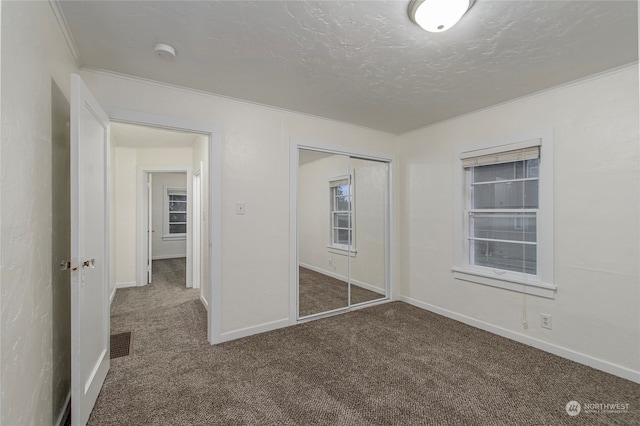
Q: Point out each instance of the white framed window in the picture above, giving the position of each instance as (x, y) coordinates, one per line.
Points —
(505, 230)
(341, 229)
(175, 213)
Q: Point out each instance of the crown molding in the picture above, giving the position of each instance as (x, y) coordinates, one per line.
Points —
(66, 31)
(186, 89)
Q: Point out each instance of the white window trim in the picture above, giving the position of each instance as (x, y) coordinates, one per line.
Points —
(343, 249)
(541, 285)
(166, 236)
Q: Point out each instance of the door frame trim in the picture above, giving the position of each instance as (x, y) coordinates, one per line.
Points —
(196, 239)
(142, 219)
(214, 216)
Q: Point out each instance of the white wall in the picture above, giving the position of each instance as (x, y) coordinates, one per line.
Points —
(165, 157)
(367, 267)
(255, 149)
(596, 310)
(128, 166)
(163, 248)
(125, 197)
(34, 324)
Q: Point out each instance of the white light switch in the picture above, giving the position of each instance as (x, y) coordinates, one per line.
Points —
(239, 208)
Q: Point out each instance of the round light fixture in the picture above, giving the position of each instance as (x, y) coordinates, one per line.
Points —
(438, 15)
(165, 51)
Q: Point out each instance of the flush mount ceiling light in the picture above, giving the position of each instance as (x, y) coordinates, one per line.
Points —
(438, 15)
(165, 51)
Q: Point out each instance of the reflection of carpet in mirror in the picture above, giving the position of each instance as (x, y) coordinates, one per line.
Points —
(321, 293)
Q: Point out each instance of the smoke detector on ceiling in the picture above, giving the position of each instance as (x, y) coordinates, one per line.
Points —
(165, 51)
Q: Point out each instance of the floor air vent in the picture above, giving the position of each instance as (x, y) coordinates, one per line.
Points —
(121, 344)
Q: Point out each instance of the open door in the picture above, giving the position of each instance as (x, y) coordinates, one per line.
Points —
(89, 251)
(149, 227)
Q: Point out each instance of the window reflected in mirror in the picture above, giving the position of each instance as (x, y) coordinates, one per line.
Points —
(342, 231)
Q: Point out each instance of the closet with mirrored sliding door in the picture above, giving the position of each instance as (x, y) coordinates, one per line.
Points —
(342, 231)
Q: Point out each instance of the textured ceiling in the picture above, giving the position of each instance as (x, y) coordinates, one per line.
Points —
(361, 62)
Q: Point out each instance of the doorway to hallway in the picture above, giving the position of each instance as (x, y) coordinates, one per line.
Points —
(207, 161)
(154, 208)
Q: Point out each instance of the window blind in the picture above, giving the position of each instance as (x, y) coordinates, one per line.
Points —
(338, 182)
(520, 151)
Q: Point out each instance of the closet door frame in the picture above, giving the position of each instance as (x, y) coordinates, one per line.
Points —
(296, 144)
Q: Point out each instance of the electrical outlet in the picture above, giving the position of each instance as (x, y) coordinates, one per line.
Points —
(545, 321)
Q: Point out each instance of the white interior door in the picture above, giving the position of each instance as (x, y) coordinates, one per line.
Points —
(89, 251)
(149, 227)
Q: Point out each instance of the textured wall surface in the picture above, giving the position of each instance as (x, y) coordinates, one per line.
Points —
(36, 64)
(595, 127)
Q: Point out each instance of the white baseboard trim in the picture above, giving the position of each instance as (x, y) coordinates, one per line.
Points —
(250, 331)
(204, 302)
(343, 278)
(168, 256)
(598, 364)
(66, 408)
(126, 284)
(368, 286)
(112, 295)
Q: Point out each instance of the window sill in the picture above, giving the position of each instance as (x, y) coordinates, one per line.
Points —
(175, 237)
(341, 251)
(521, 286)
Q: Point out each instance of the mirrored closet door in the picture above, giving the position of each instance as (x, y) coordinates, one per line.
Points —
(342, 231)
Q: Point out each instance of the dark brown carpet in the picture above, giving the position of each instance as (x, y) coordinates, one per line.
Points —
(120, 345)
(391, 364)
(321, 293)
